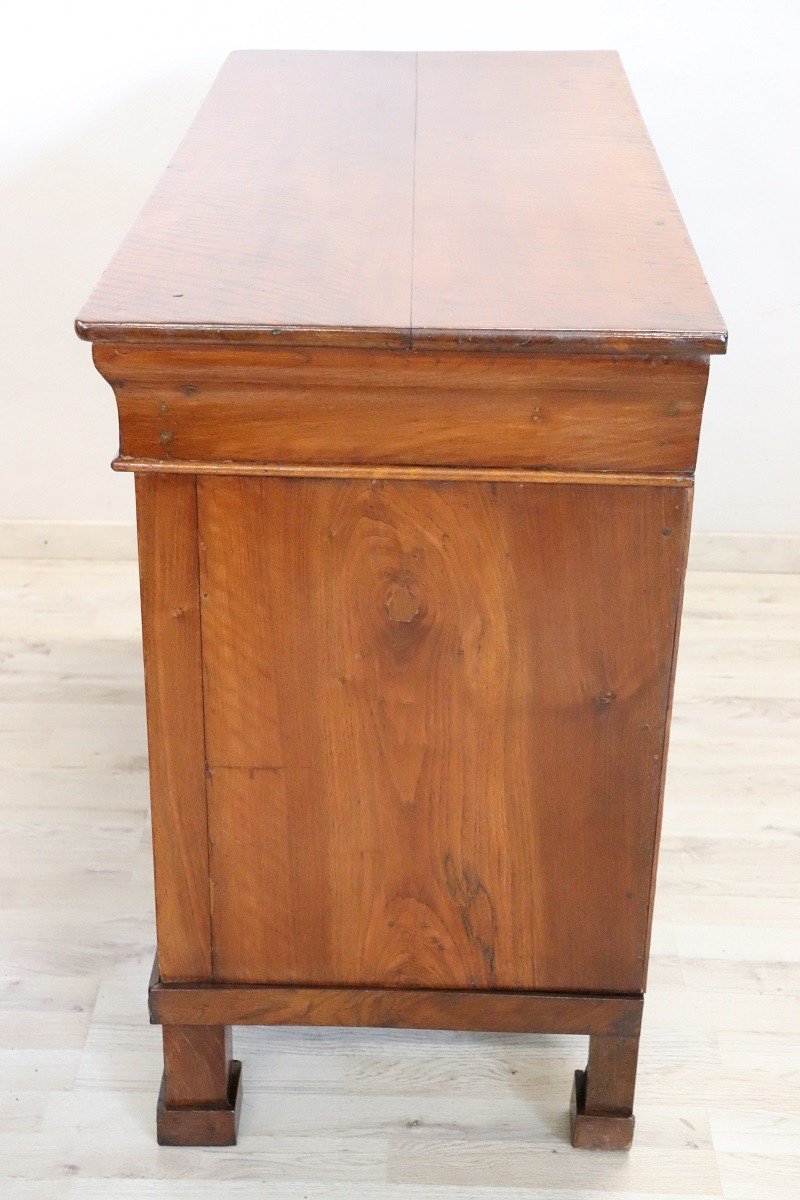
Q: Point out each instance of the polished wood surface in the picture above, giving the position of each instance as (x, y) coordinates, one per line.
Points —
(601, 1112)
(166, 512)
(431, 709)
(196, 1064)
(285, 214)
(152, 466)
(395, 1008)
(610, 1076)
(511, 201)
(379, 408)
(561, 227)
(201, 1090)
(392, 1114)
(410, 354)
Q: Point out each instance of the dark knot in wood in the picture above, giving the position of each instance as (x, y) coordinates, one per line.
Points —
(401, 604)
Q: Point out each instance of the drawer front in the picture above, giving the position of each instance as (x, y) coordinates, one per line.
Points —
(380, 408)
(435, 720)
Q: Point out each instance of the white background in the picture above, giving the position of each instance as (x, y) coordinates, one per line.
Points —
(96, 95)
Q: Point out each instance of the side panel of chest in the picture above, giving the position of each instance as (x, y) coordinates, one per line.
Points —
(435, 722)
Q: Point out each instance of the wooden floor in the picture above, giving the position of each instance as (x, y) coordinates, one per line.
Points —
(390, 1114)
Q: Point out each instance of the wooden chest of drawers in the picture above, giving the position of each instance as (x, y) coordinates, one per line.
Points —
(410, 354)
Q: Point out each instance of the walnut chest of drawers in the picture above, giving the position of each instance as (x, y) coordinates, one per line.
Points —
(410, 354)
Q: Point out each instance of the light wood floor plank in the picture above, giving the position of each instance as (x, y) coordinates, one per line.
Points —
(392, 1115)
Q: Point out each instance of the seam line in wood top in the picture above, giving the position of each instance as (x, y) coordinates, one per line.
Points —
(381, 472)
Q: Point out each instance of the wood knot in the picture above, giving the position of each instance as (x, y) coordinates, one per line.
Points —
(401, 604)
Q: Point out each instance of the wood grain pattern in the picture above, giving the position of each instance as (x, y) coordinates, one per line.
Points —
(166, 510)
(388, 408)
(287, 208)
(434, 723)
(150, 466)
(682, 562)
(611, 1075)
(541, 218)
(396, 1008)
(201, 1093)
(197, 1063)
(601, 1112)
(562, 221)
(408, 718)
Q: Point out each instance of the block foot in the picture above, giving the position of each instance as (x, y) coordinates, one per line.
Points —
(596, 1131)
(202, 1124)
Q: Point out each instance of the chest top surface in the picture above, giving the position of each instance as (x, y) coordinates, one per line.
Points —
(503, 200)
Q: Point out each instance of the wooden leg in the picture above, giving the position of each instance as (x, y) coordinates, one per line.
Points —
(601, 1113)
(201, 1089)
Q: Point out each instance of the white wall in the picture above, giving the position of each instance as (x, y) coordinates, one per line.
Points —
(94, 97)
